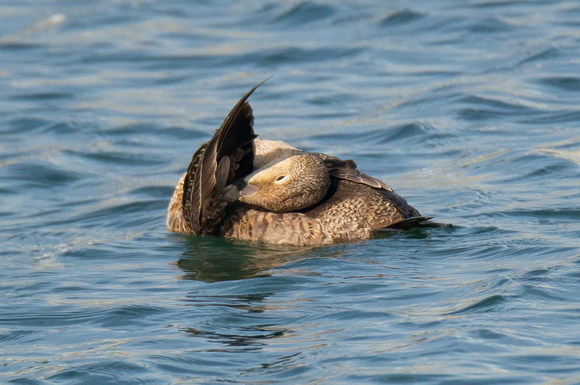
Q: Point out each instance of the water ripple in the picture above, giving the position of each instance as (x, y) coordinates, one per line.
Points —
(468, 109)
(304, 13)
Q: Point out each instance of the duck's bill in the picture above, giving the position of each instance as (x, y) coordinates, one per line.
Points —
(250, 189)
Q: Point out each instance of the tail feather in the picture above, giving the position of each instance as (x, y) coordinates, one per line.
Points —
(413, 222)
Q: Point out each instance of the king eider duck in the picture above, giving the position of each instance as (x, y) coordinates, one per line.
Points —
(238, 186)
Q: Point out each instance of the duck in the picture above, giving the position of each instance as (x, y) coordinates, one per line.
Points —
(242, 187)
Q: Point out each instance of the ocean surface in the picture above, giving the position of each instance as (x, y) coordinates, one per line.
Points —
(469, 109)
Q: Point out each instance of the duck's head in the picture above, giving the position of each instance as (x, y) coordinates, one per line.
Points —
(290, 184)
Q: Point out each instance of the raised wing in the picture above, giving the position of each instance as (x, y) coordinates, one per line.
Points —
(216, 167)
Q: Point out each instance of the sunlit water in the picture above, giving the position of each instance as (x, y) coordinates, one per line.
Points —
(469, 109)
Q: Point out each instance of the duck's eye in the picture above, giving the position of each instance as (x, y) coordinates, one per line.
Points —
(279, 178)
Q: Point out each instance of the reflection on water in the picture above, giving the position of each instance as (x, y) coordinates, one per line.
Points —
(213, 259)
(258, 338)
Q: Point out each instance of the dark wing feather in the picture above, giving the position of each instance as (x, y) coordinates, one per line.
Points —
(346, 169)
(208, 183)
(357, 176)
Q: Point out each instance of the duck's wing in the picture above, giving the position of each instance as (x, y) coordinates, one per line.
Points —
(346, 169)
(216, 166)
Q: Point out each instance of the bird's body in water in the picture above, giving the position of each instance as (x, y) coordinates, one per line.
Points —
(238, 186)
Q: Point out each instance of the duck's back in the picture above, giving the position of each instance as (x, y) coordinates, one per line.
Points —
(355, 211)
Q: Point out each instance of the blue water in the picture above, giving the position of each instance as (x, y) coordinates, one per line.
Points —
(469, 109)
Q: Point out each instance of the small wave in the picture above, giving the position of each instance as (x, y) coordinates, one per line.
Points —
(553, 214)
(125, 215)
(117, 158)
(44, 96)
(562, 116)
(19, 45)
(488, 27)
(564, 83)
(305, 13)
(289, 55)
(56, 317)
(16, 334)
(411, 132)
(547, 54)
(42, 175)
(105, 372)
(401, 17)
(486, 304)
(573, 156)
(485, 108)
(22, 125)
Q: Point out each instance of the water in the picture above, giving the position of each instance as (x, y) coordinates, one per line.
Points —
(469, 109)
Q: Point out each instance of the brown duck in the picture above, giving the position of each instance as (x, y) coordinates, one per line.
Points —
(241, 187)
